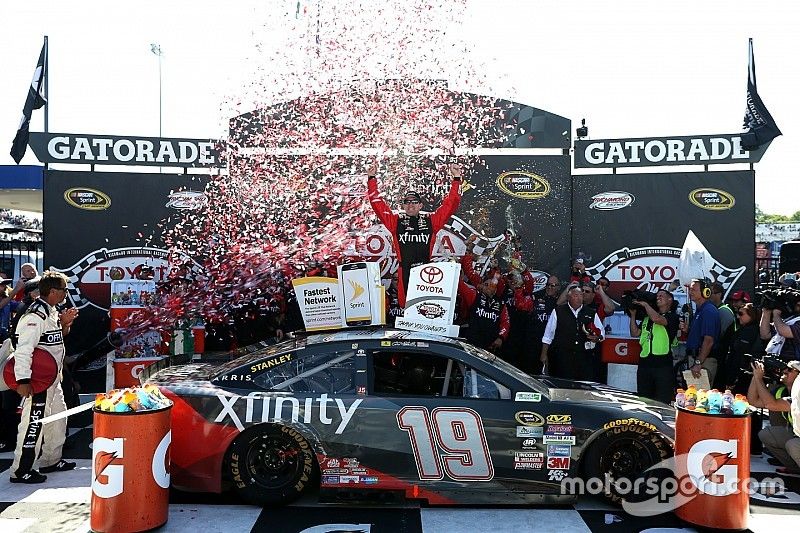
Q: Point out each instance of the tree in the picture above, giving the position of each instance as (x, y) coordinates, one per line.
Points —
(766, 218)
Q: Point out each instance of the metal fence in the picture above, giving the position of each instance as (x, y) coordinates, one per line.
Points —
(14, 253)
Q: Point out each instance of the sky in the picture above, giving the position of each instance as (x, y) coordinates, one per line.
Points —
(630, 68)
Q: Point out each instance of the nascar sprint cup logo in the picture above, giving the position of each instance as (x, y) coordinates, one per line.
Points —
(652, 268)
(712, 199)
(525, 185)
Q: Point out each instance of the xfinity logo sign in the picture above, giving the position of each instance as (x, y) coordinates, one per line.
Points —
(115, 150)
(658, 151)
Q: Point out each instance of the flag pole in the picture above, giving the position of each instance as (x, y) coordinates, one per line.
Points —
(46, 84)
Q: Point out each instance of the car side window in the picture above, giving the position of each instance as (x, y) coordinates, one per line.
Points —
(477, 385)
(329, 372)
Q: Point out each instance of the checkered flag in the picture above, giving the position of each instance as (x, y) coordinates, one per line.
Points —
(611, 259)
(726, 276)
(485, 247)
(523, 124)
(73, 277)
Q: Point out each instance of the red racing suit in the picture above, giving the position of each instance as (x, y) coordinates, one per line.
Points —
(413, 238)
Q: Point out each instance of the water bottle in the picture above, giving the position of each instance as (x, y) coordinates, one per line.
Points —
(680, 399)
(714, 402)
(727, 402)
(691, 397)
(702, 400)
(739, 405)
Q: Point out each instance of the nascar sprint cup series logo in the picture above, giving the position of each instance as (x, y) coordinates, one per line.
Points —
(90, 277)
(651, 268)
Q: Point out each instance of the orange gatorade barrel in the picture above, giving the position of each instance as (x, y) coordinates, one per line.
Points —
(712, 455)
(130, 470)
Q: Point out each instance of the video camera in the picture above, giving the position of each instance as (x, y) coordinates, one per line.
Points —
(773, 366)
(628, 297)
(784, 299)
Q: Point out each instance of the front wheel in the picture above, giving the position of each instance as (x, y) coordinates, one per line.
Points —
(271, 465)
(621, 456)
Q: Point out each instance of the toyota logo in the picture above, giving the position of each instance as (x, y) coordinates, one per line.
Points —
(431, 275)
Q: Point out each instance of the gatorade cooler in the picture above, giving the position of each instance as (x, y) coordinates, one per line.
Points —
(127, 370)
(130, 470)
(713, 465)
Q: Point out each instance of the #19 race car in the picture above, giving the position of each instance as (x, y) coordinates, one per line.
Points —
(424, 417)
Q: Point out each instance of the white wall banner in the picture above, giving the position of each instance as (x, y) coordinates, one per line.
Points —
(320, 302)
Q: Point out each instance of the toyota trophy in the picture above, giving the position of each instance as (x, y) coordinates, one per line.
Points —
(431, 299)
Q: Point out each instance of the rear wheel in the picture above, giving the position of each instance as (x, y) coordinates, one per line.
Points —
(622, 455)
(271, 465)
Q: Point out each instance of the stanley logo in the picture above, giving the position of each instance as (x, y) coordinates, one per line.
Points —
(89, 199)
(712, 199)
(525, 185)
(358, 290)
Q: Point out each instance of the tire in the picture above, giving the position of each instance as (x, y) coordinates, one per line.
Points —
(271, 465)
(624, 453)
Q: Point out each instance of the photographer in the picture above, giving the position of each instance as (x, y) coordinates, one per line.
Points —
(788, 330)
(654, 377)
(782, 441)
(745, 340)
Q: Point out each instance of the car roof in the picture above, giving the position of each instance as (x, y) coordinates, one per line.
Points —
(376, 333)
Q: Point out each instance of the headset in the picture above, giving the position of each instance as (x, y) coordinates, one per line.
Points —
(705, 290)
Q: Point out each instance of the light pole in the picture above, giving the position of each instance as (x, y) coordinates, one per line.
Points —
(156, 49)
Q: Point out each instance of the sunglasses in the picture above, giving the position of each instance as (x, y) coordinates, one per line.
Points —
(552, 284)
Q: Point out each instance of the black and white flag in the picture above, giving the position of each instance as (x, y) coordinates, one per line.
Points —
(35, 100)
(759, 125)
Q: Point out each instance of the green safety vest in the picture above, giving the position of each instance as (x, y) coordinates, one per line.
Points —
(786, 414)
(654, 339)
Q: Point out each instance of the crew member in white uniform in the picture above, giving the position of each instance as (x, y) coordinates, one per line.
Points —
(41, 327)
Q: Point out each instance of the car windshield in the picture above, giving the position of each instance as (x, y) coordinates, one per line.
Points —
(506, 367)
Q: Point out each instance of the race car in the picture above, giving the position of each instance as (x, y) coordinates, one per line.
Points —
(406, 413)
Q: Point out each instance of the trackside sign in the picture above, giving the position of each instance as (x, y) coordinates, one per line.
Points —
(662, 151)
(92, 149)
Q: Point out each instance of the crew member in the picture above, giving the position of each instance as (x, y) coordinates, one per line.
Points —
(703, 334)
(488, 323)
(41, 327)
(413, 232)
(654, 376)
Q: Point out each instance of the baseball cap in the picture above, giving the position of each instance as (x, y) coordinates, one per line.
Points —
(412, 196)
(794, 365)
(741, 295)
(4, 281)
(31, 286)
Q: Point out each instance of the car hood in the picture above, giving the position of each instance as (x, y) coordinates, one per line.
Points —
(611, 398)
(179, 375)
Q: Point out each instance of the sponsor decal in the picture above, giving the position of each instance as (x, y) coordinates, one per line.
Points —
(559, 439)
(528, 460)
(629, 422)
(91, 276)
(712, 199)
(528, 431)
(560, 429)
(88, 199)
(524, 185)
(369, 480)
(559, 419)
(556, 475)
(651, 268)
(269, 363)
(256, 408)
(431, 275)
(558, 450)
(430, 310)
(360, 471)
(235, 377)
(386, 343)
(351, 462)
(354, 346)
(529, 418)
(528, 443)
(335, 471)
(527, 397)
(187, 200)
(330, 480)
(612, 200)
(345, 480)
(558, 463)
(333, 463)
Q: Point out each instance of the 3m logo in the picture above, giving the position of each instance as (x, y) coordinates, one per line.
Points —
(558, 463)
(559, 419)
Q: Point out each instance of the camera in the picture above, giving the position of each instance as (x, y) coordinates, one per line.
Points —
(773, 366)
(628, 297)
(785, 300)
